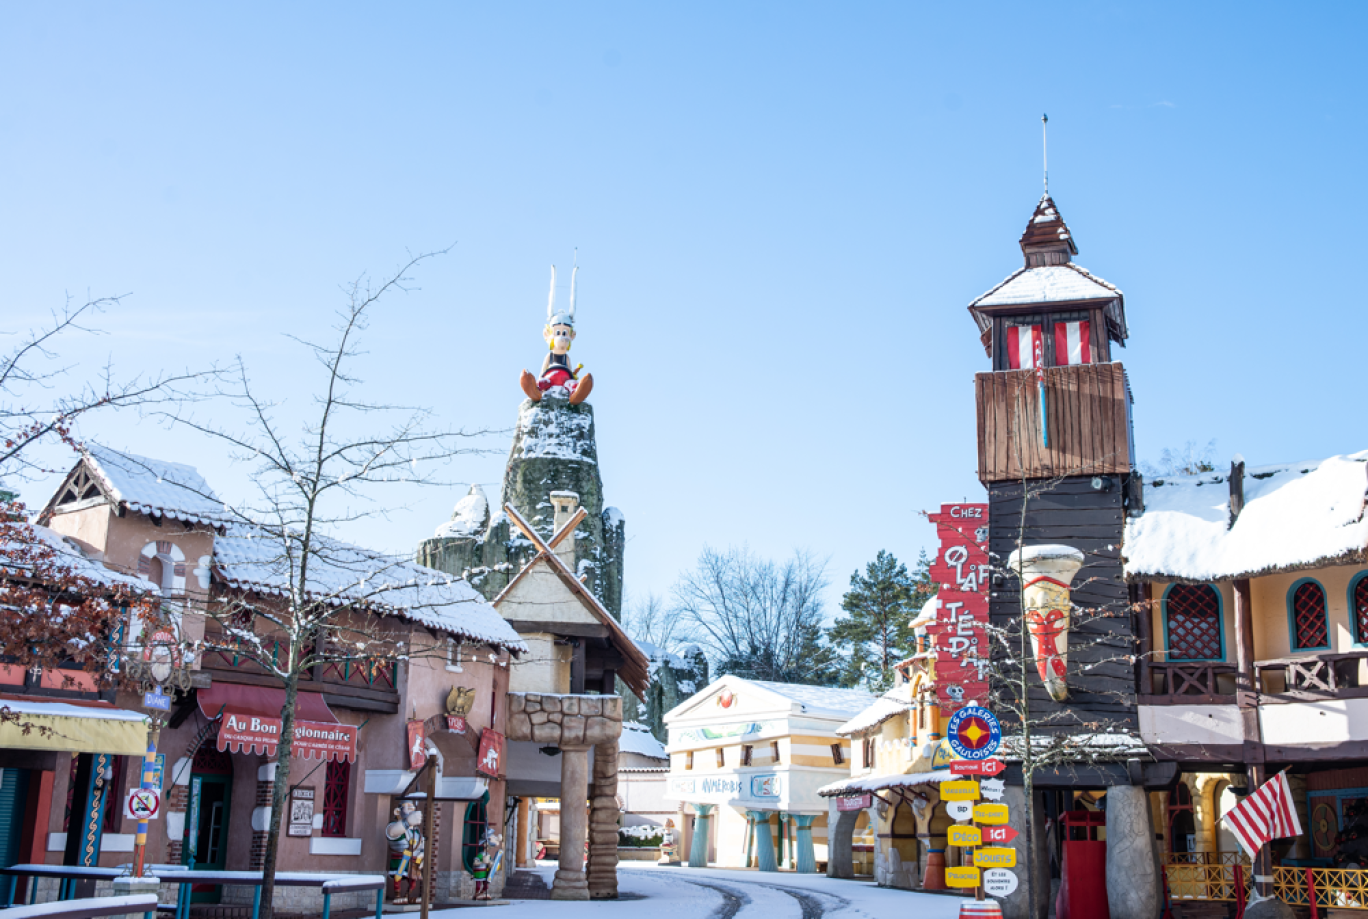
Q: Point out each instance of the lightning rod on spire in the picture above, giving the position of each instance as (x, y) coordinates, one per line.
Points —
(1045, 148)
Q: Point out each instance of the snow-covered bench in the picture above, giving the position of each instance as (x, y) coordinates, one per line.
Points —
(92, 908)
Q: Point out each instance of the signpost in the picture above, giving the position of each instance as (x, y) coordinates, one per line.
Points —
(959, 810)
(995, 857)
(992, 814)
(985, 767)
(962, 877)
(999, 834)
(142, 804)
(999, 882)
(965, 790)
(974, 733)
(964, 836)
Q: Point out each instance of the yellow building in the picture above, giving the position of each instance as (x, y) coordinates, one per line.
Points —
(747, 758)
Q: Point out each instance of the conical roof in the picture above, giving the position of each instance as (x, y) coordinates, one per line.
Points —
(1047, 230)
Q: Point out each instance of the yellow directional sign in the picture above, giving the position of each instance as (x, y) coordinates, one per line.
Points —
(991, 814)
(995, 857)
(965, 836)
(961, 877)
(964, 790)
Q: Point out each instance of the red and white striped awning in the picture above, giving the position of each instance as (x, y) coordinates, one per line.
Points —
(252, 722)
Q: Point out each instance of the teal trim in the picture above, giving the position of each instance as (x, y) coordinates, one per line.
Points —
(1220, 625)
(1359, 640)
(1292, 617)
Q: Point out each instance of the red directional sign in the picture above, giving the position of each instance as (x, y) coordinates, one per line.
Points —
(977, 766)
(1002, 834)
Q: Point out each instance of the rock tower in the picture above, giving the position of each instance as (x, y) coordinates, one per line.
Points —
(553, 451)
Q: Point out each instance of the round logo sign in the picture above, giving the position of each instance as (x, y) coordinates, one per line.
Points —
(974, 733)
(959, 810)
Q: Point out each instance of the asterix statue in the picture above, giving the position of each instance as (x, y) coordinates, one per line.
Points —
(556, 371)
(406, 847)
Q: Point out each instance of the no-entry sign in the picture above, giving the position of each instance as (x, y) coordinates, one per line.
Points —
(143, 803)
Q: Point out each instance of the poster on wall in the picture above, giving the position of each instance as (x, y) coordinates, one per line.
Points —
(301, 812)
(962, 572)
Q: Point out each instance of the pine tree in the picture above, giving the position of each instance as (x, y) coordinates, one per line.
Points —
(880, 605)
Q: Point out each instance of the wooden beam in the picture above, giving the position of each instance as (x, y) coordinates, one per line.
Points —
(570, 629)
(568, 528)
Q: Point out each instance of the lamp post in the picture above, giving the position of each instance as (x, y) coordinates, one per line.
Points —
(164, 668)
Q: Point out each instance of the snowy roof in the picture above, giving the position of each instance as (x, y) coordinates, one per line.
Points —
(1047, 284)
(469, 517)
(880, 782)
(251, 559)
(20, 542)
(155, 487)
(830, 698)
(891, 704)
(637, 738)
(1295, 516)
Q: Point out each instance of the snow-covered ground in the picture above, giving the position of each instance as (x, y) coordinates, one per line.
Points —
(713, 893)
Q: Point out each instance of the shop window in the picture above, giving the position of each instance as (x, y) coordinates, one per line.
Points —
(1192, 623)
(1306, 612)
(836, 756)
(454, 649)
(774, 751)
(1358, 605)
(867, 749)
(747, 753)
(476, 828)
(336, 793)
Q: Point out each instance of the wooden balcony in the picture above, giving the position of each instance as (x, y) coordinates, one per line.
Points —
(1188, 683)
(1311, 678)
(1087, 410)
(354, 684)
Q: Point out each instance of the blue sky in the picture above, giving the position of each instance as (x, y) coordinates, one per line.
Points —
(781, 212)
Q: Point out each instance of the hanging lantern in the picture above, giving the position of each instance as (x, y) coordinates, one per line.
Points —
(1045, 573)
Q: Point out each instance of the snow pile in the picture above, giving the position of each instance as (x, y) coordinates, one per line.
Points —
(155, 487)
(838, 701)
(880, 782)
(927, 616)
(637, 738)
(1048, 284)
(891, 704)
(468, 518)
(548, 431)
(1295, 515)
(253, 559)
(22, 541)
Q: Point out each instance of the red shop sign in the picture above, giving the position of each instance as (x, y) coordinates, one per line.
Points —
(856, 803)
(246, 733)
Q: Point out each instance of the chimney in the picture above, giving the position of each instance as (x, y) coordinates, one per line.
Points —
(565, 504)
(1237, 468)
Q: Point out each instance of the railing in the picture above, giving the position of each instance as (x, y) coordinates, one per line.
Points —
(1191, 681)
(1208, 876)
(1316, 675)
(1337, 888)
(382, 676)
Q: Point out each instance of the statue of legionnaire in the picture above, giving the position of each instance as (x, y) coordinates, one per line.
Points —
(406, 845)
(486, 862)
(556, 371)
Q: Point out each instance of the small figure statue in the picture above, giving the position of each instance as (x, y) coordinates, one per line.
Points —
(558, 334)
(486, 863)
(406, 845)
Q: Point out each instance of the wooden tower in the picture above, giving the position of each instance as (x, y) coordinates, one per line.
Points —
(1054, 435)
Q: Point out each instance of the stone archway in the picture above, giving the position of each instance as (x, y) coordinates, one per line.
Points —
(841, 838)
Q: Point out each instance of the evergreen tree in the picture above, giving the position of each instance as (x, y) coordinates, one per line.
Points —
(880, 606)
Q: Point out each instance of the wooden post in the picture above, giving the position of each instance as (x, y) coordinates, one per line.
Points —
(429, 844)
(1247, 699)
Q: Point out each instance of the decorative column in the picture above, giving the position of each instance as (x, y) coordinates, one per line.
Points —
(698, 852)
(1133, 890)
(570, 883)
(764, 842)
(603, 823)
(783, 831)
(521, 833)
(806, 855)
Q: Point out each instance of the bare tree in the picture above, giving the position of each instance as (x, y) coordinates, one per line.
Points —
(757, 618)
(650, 619)
(1189, 459)
(297, 598)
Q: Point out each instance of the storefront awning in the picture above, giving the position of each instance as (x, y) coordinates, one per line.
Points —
(73, 726)
(252, 722)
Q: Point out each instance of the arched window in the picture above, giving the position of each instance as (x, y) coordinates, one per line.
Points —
(1192, 623)
(1358, 606)
(1306, 611)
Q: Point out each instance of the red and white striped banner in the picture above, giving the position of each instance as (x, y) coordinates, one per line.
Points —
(1266, 814)
(1024, 346)
(1071, 343)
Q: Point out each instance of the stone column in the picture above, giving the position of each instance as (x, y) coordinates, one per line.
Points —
(521, 833)
(764, 843)
(840, 857)
(1017, 905)
(1132, 882)
(806, 860)
(603, 823)
(698, 852)
(570, 883)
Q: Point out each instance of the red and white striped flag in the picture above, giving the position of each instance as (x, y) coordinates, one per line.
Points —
(1266, 814)
(1025, 347)
(1071, 343)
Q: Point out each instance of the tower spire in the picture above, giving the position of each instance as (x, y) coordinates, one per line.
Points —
(1045, 148)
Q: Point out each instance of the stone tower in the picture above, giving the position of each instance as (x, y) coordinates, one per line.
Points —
(554, 450)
